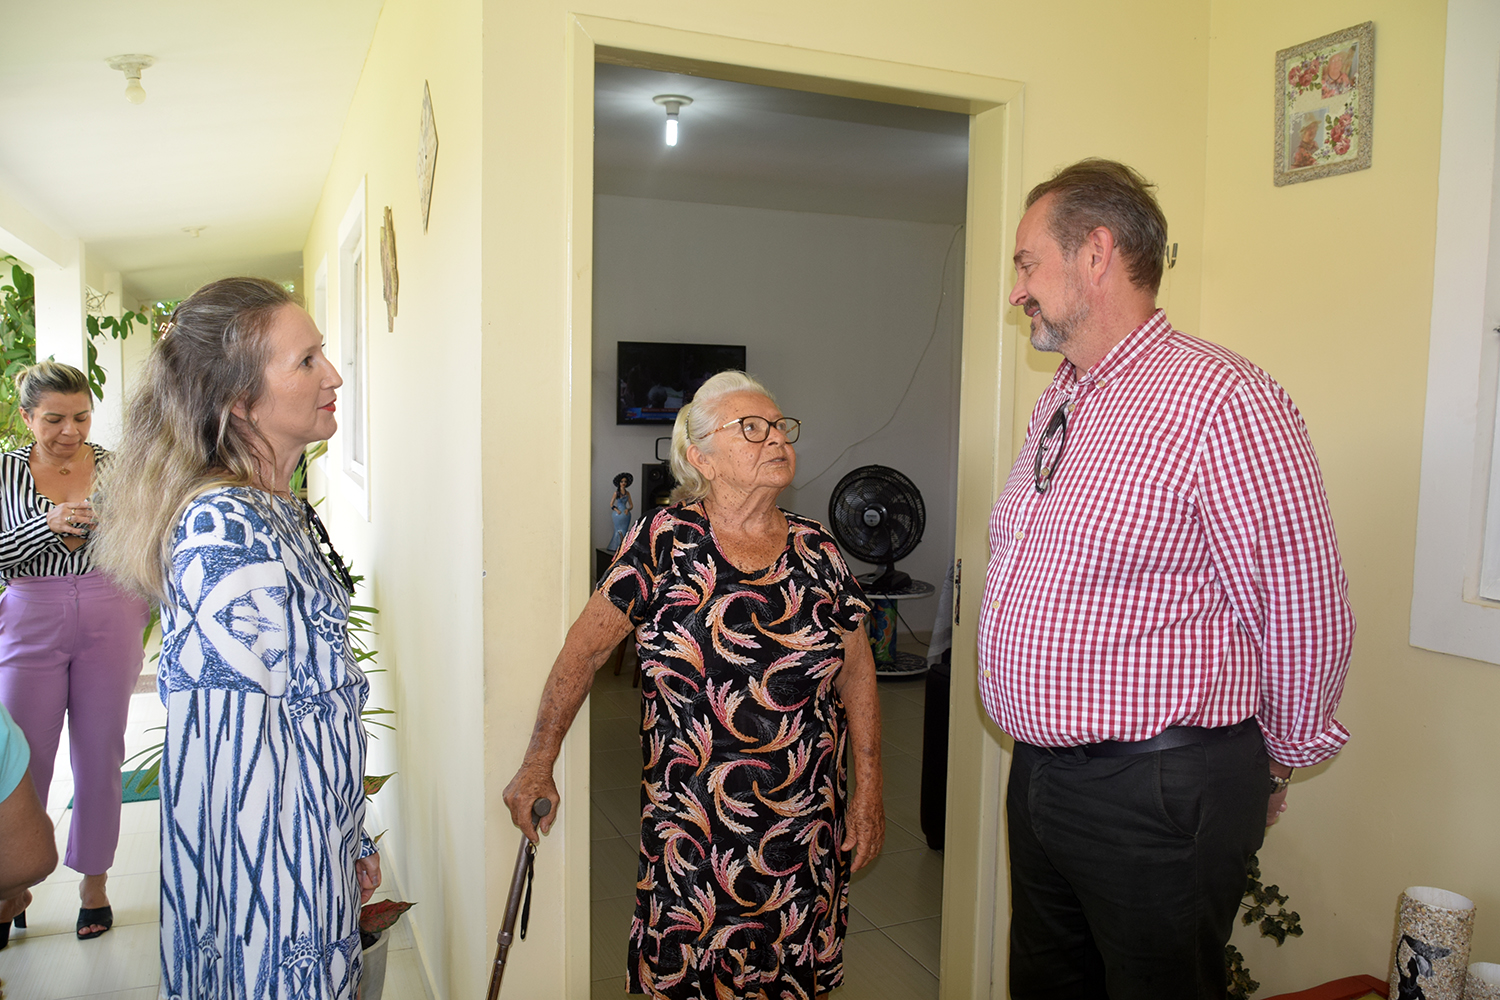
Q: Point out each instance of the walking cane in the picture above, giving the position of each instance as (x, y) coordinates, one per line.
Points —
(522, 877)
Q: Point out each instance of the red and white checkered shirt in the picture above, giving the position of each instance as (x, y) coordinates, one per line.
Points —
(1180, 569)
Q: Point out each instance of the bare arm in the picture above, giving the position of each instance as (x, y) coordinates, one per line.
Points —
(865, 821)
(590, 641)
(30, 853)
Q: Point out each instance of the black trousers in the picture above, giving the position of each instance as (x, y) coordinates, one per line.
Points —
(1127, 872)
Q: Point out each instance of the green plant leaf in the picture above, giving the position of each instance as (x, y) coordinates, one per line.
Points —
(375, 782)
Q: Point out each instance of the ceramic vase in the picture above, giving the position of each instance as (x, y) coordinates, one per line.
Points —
(1433, 928)
(1484, 982)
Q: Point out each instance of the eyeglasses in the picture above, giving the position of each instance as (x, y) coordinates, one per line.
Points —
(757, 429)
(326, 550)
(1046, 467)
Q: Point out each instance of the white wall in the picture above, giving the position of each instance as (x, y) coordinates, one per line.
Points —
(834, 312)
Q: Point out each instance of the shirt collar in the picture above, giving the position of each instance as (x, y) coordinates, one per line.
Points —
(1136, 345)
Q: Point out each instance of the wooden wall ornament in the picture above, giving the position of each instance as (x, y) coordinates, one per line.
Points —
(427, 147)
(390, 280)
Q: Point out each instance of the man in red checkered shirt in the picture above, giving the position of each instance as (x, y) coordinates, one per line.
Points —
(1166, 626)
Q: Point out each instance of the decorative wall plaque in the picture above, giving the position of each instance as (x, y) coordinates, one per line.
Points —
(390, 280)
(427, 147)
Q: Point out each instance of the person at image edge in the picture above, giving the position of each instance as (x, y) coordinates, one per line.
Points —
(1166, 626)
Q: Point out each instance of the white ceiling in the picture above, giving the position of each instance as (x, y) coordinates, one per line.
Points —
(245, 105)
(244, 109)
(764, 147)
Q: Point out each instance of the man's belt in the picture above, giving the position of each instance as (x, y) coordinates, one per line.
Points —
(1168, 739)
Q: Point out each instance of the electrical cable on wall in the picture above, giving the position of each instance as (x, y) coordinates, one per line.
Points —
(936, 317)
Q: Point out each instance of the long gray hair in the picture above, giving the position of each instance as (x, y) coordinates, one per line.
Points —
(699, 419)
(181, 435)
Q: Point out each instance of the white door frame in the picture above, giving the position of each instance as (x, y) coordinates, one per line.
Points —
(975, 907)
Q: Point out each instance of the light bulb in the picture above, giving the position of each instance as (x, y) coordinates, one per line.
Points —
(671, 131)
(134, 92)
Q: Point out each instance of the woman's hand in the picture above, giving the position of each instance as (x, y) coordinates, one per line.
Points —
(368, 871)
(72, 518)
(532, 782)
(864, 824)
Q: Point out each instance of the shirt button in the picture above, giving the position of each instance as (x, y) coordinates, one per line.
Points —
(1020, 534)
(995, 604)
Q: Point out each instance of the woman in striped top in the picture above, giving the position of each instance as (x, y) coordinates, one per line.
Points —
(70, 640)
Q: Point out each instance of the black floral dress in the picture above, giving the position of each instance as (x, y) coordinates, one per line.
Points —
(742, 891)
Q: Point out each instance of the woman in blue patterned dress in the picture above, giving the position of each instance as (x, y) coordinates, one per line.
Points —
(756, 679)
(264, 859)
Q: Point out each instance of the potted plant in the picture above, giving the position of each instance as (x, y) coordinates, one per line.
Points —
(1278, 924)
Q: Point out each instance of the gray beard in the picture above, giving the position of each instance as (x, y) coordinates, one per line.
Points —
(1052, 334)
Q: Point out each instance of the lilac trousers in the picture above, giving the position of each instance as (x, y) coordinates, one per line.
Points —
(72, 644)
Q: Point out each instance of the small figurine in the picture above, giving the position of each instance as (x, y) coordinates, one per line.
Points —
(620, 508)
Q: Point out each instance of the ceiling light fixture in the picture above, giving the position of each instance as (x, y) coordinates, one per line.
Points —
(131, 66)
(672, 102)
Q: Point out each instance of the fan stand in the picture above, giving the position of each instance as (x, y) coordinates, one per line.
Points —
(890, 579)
(881, 625)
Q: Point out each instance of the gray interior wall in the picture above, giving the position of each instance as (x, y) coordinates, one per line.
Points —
(835, 313)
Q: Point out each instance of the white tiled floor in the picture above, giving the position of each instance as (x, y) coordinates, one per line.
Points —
(895, 922)
(47, 962)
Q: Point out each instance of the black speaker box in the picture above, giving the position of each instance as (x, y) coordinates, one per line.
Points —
(657, 484)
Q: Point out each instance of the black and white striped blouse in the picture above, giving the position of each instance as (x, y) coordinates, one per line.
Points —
(27, 546)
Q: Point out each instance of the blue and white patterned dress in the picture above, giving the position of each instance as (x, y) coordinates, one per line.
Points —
(262, 780)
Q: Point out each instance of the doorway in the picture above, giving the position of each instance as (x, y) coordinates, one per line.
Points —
(968, 962)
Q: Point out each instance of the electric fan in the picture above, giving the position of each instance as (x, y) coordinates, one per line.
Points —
(877, 514)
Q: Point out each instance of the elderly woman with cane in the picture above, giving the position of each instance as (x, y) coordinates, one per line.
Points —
(756, 680)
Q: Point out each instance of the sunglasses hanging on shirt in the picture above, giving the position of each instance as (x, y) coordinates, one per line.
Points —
(1049, 450)
(327, 551)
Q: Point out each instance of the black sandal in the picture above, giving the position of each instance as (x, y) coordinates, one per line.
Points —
(20, 921)
(100, 916)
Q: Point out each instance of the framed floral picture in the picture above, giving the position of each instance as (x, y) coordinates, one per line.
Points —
(1325, 105)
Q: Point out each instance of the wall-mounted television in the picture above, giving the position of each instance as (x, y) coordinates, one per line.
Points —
(656, 379)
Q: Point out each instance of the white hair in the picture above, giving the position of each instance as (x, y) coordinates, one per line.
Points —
(696, 421)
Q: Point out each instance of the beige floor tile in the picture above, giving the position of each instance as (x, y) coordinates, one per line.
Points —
(615, 768)
(615, 734)
(609, 927)
(903, 790)
(858, 921)
(600, 828)
(138, 853)
(403, 976)
(56, 966)
(898, 888)
(608, 989)
(144, 993)
(622, 807)
(905, 733)
(921, 939)
(136, 899)
(613, 868)
(616, 704)
(898, 838)
(896, 704)
(140, 817)
(876, 969)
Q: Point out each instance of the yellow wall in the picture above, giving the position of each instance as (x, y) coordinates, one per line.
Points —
(1100, 79)
(421, 547)
(1327, 284)
(1180, 89)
